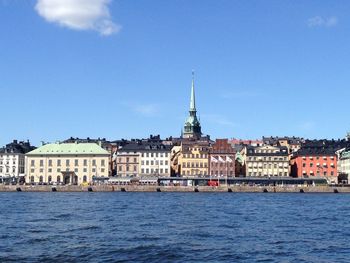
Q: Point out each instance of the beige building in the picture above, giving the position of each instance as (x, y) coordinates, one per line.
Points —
(128, 160)
(267, 161)
(66, 163)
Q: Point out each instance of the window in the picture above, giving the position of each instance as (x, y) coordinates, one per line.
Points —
(127, 159)
(93, 162)
(142, 170)
(32, 163)
(50, 162)
(67, 162)
(84, 179)
(135, 160)
(84, 170)
(85, 162)
(102, 170)
(50, 170)
(75, 170)
(58, 162)
(93, 170)
(49, 179)
(166, 162)
(76, 162)
(41, 179)
(58, 178)
(58, 170)
(32, 179)
(135, 168)
(103, 163)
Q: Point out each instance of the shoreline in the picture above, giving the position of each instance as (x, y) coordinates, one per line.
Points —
(154, 188)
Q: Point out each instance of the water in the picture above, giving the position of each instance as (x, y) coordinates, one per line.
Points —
(174, 227)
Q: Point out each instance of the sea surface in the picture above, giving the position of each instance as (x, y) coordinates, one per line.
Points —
(174, 227)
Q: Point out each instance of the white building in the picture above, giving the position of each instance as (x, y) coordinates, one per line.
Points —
(155, 160)
(12, 160)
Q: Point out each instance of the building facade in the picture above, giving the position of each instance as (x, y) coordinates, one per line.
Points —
(267, 161)
(318, 158)
(155, 160)
(144, 158)
(343, 165)
(12, 159)
(128, 160)
(66, 163)
(222, 159)
(194, 157)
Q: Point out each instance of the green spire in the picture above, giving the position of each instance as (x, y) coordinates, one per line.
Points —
(193, 98)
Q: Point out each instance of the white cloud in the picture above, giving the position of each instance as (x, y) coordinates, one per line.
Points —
(218, 119)
(146, 110)
(319, 21)
(79, 14)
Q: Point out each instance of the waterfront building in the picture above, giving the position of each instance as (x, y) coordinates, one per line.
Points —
(267, 161)
(144, 158)
(12, 159)
(343, 165)
(192, 127)
(222, 159)
(318, 158)
(155, 158)
(110, 146)
(128, 159)
(194, 157)
(66, 163)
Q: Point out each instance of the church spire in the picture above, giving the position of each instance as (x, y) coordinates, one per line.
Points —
(193, 98)
(192, 128)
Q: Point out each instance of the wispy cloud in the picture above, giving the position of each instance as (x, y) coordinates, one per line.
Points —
(307, 126)
(218, 119)
(79, 14)
(238, 94)
(146, 110)
(319, 21)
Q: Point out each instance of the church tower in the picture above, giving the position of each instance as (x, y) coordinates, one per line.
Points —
(192, 128)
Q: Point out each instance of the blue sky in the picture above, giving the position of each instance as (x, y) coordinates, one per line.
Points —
(122, 69)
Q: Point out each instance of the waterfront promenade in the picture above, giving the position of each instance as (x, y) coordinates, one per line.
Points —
(154, 188)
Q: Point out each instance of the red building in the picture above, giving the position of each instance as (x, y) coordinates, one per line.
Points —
(317, 159)
(222, 159)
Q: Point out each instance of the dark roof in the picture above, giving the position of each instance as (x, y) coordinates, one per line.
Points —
(322, 147)
(282, 151)
(145, 146)
(17, 147)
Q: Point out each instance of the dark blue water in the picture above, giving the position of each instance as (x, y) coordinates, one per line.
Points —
(174, 227)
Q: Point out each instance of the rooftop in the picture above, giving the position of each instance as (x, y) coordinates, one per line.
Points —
(69, 149)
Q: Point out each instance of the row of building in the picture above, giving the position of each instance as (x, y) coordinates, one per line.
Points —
(79, 161)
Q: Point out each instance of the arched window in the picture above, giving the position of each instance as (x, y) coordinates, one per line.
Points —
(41, 179)
(32, 179)
(50, 178)
(58, 178)
(84, 179)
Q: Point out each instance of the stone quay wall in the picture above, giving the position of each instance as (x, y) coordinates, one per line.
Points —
(149, 188)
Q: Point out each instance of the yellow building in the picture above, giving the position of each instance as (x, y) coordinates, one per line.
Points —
(194, 158)
(66, 163)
